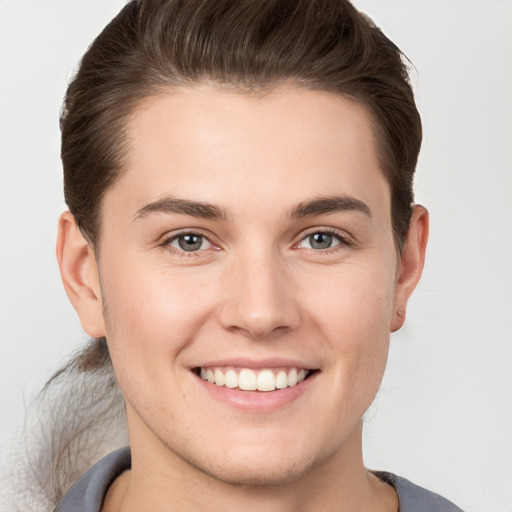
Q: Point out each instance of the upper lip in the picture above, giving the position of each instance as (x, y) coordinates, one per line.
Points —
(256, 364)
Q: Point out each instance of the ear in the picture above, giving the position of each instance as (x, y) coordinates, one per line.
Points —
(80, 276)
(411, 264)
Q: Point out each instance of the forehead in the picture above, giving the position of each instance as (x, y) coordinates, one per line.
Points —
(250, 151)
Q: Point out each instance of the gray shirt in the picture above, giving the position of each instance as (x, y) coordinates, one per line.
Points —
(88, 493)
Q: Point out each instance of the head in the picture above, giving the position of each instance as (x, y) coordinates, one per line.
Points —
(239, 177)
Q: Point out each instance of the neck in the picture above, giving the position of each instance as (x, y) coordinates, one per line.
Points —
(161, 480)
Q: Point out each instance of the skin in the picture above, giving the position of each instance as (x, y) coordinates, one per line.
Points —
(256, 289)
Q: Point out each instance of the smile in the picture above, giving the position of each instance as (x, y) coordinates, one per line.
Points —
(248, 379)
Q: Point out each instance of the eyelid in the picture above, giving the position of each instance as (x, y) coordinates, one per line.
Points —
(346, 240)
(168, 238)
(203, 239)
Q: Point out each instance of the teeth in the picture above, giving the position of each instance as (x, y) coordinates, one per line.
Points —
(266, 381)
(281, 380)
(292, 377)
(231, 379)
(220, 380)
(249, 380)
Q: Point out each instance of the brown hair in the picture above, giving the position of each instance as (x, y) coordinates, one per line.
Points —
(244, 44)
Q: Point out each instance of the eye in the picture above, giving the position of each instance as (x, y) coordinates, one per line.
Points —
(320, 240)
(189, 242)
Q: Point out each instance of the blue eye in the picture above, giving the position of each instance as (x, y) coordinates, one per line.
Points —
(190, 242)
(320, 240)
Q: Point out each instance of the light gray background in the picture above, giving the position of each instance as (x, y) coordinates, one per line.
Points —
(443, 417)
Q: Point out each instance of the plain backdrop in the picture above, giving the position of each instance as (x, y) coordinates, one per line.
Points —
(443, 417)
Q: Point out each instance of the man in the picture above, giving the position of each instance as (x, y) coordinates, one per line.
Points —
(241, 235)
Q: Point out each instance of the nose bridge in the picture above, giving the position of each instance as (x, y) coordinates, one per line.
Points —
(259, 296)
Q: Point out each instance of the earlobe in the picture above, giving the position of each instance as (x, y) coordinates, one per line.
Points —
(79, 273)
(411, 264)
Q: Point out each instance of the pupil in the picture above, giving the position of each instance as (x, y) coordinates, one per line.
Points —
(320, 240)
(190, 242)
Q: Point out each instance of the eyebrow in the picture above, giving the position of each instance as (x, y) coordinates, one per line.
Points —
(197, 209)
(331, 204)
(204, 210)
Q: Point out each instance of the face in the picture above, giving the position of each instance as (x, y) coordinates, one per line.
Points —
(248, 244)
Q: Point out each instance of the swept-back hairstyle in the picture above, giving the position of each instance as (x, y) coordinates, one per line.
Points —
(244, 45)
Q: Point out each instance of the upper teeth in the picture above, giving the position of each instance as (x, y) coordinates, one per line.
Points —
(250, 380)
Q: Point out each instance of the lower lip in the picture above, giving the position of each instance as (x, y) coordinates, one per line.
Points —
(257, 401)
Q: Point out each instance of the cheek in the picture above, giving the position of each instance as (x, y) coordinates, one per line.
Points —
(151, 318)
(154, 310)
(354, 314)
(354, 298)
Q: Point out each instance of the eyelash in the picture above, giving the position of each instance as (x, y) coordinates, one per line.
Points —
(344, 242)
(166, 243)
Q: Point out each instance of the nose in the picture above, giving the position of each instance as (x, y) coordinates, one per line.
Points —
(259, 296)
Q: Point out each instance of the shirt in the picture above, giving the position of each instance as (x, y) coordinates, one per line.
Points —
(88, 493)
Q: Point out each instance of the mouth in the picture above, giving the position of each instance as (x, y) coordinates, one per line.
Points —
(250, 379)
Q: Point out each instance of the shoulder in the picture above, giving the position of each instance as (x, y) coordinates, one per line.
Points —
(88, 493)
(413, 498)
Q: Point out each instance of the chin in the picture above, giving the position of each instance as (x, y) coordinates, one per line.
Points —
(256, 463)
(256, 473)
